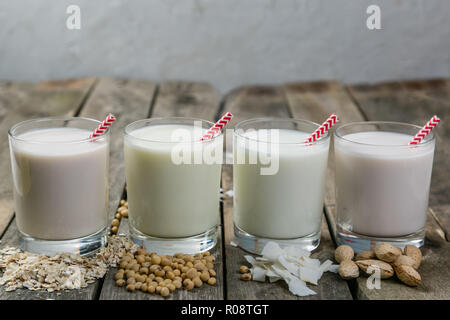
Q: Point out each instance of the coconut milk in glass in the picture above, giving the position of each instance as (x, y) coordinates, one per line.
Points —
(279, 183)
(60, 184)
(382, 184)
(173, 184)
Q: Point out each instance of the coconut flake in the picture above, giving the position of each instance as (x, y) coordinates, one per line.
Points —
(250, 260)
(299, 288)
(310, 275)
(291, 264)
(233, 244)
(229, 193)
(296, 252)
(258, 273)
(328, 266)
(271, 251)
(309, 262)
(334, 268)
(262, 259)
(272, 275)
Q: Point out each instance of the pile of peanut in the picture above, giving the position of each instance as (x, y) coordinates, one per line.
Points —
(149, 272)
(386, 257)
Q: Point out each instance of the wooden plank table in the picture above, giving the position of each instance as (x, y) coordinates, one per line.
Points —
(129, 100)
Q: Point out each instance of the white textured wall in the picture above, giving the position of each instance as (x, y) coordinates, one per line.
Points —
(226, 42)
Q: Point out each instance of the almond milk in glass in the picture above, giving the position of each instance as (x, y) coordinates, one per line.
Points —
(382, 184)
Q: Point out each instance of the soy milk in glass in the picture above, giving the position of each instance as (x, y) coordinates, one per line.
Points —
(279, 183)
(173, 184)
(382, 184)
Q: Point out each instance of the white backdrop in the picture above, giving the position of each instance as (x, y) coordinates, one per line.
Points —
(225, 42)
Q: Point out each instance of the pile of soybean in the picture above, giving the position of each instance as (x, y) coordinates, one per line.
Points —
(152, 273)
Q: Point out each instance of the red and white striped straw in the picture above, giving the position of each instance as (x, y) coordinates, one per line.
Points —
(102, 127)
(217, 127)
(324, 127)
(426, 129)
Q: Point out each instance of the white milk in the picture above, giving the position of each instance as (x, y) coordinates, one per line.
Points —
(60, 188)
(382, 188)
(167, 200)
(288, 204)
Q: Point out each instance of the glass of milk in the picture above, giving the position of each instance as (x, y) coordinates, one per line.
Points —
(173, 184)
(60, 184)
(382, 184)
(279, 183)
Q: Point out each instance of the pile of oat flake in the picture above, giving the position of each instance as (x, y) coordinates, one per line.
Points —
(62, 271)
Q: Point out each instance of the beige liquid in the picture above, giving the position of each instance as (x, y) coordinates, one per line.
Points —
(167, 200)
(60, 188)
(288, 204)
(382, 190)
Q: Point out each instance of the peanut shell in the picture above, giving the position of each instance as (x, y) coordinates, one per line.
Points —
(386, 271)
(365, 255)
(343, 253)
(387, 252)
(348, 270)
(408, 275)
(403, 261)
(415, 253)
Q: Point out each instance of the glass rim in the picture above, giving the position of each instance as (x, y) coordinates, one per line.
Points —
(128, 133)
(431, 136)
(321, 140)
(48, 119)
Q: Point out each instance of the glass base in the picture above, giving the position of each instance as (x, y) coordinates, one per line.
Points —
(85, 246)
(361, 242)
(169, 246)
(255, 244)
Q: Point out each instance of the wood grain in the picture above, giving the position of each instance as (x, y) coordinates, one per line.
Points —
(178, 99)
(23, 101)
(253, 102)
(442, 216)
(129, 100)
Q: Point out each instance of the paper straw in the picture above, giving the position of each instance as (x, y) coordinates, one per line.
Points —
(103, 126)
(324, 127)
(426, 129)
(217, 127)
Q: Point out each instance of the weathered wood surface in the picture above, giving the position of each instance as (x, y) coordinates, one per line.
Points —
(442, 216)
(415, 102)
(193, 100)
(265, 101)
(128, 100)
(412, 101)
(23, 101)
